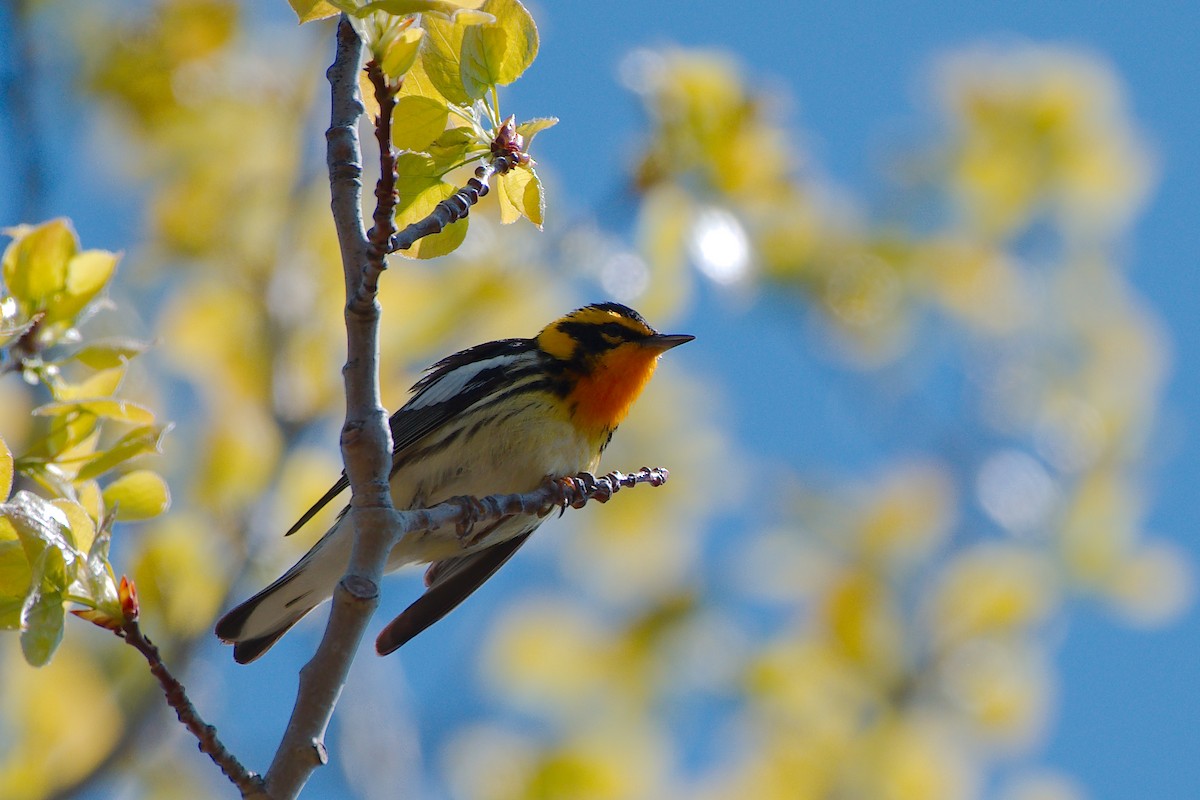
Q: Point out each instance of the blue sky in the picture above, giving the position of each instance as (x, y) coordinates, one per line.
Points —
(1129, 699)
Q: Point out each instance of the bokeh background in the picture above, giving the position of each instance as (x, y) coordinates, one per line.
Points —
(929, 532)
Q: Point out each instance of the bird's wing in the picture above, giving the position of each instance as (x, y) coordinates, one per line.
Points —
(452, 385)
(450, 582)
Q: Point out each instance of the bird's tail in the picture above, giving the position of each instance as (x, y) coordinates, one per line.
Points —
(258, 623)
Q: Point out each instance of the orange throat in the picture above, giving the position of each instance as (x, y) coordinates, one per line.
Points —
(602, 399)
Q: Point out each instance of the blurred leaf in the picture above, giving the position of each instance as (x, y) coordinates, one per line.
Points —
(87, 274)
(402, 52)
(103, 407)
(35, 262)
(42, 613)
(139, 441)
(104, 354)
(138, 495)
(100, 384)
(417, 122)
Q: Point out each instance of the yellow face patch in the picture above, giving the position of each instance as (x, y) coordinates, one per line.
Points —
(554, 340)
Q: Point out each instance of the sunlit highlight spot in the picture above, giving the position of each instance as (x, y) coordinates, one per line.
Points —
(1016, 491)
(719, 246)
(624, 276)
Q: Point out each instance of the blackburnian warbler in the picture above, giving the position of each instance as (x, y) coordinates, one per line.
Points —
(499, 417)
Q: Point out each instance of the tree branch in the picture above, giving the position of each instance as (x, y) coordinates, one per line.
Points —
(249, 783)
(366, 442)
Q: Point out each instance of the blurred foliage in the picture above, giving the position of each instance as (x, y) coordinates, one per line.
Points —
(888, 634)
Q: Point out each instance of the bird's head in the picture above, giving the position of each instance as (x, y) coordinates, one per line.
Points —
(607, 352)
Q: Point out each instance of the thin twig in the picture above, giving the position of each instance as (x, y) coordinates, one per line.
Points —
(447, 212)
(384, 218)
(249, 783)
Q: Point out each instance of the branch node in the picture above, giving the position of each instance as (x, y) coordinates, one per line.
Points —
(360, 588)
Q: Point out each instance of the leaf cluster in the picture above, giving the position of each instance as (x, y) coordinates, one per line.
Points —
(444, 61)
(55, 530)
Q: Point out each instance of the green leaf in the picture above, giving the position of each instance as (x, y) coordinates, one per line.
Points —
(138, 495)
(402, 52)
(417, 82)
(416, 173)
(146, 439)
(521, 195)
(102, 407)
(104, 354)
(454, 147)
(503, 50)
(309, 10)
(462, 11)
(532, 127)
(483, 49)
(421, 205)
(440, 55)
(42, 613)
(418, 121)
(34, 265)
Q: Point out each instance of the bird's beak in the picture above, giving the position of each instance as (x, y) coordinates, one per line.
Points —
(663, 342)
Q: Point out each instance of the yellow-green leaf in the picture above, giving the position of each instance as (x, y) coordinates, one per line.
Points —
(532, 127)
(454, 148)
(521, 195)
(79, 522)
(35, 262)
(417, 82)
(457, 10)
(417, 122)
(106, 354)
(6, 470)
(146, 439)
(483, 50)
(416, 173)
(520, 35)
(440, 56)
(103, 407)
(140, 494)
(401, 52)
(418, 207)
(87, 274)
(100, 384)
(309, 10)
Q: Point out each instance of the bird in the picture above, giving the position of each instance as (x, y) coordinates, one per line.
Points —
(499, 417)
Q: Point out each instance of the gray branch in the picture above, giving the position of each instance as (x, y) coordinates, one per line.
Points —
(366, 444)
